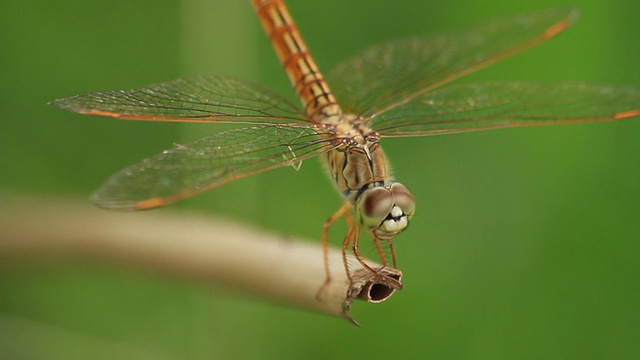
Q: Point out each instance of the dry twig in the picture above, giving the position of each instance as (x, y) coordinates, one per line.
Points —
(223, 252)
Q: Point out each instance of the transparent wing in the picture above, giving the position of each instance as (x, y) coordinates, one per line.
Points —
(471, 107)
(389, 74)
(189, 169)
(198, 99)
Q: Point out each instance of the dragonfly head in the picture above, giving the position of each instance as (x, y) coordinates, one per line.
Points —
(385, 210)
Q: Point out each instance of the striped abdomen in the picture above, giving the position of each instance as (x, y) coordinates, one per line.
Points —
(312, 90)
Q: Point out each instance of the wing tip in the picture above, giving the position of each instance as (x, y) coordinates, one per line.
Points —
(570, 16)
(70, 104)
(111, 203)
(626, 114)
(63, 103)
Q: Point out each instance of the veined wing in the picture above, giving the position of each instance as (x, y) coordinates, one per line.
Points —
(198, 99)
(390, 74)
(471, 107)
(189, 169)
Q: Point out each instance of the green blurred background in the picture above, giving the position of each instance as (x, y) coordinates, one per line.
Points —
(525, 243)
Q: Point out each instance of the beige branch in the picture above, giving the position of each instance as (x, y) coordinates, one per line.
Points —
(223, 252)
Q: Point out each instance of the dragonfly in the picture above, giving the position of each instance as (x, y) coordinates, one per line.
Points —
(392, 90)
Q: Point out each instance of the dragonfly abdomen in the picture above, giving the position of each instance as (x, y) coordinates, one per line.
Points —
(305, 76)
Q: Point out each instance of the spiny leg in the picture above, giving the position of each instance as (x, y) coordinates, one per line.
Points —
(325, 245)
(356, 252)
(383, 257)
(381, 253)
(393, 253)
(351, 236)
(389, 281)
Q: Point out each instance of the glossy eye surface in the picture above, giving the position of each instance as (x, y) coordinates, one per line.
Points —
(403, 198)
(373, 206)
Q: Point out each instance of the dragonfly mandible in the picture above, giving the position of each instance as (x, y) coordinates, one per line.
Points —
(396, 89)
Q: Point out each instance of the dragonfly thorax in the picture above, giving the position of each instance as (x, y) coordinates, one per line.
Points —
(350, 128)
(358, 161)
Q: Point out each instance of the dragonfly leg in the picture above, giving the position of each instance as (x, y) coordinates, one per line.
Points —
(352, 236)
(356, 253)
(325, 245)
(390, 281)
(393, 254)
(383, 257)
(381, 253)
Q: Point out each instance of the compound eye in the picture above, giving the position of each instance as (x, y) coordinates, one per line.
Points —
(403, 198)
(373, 206)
